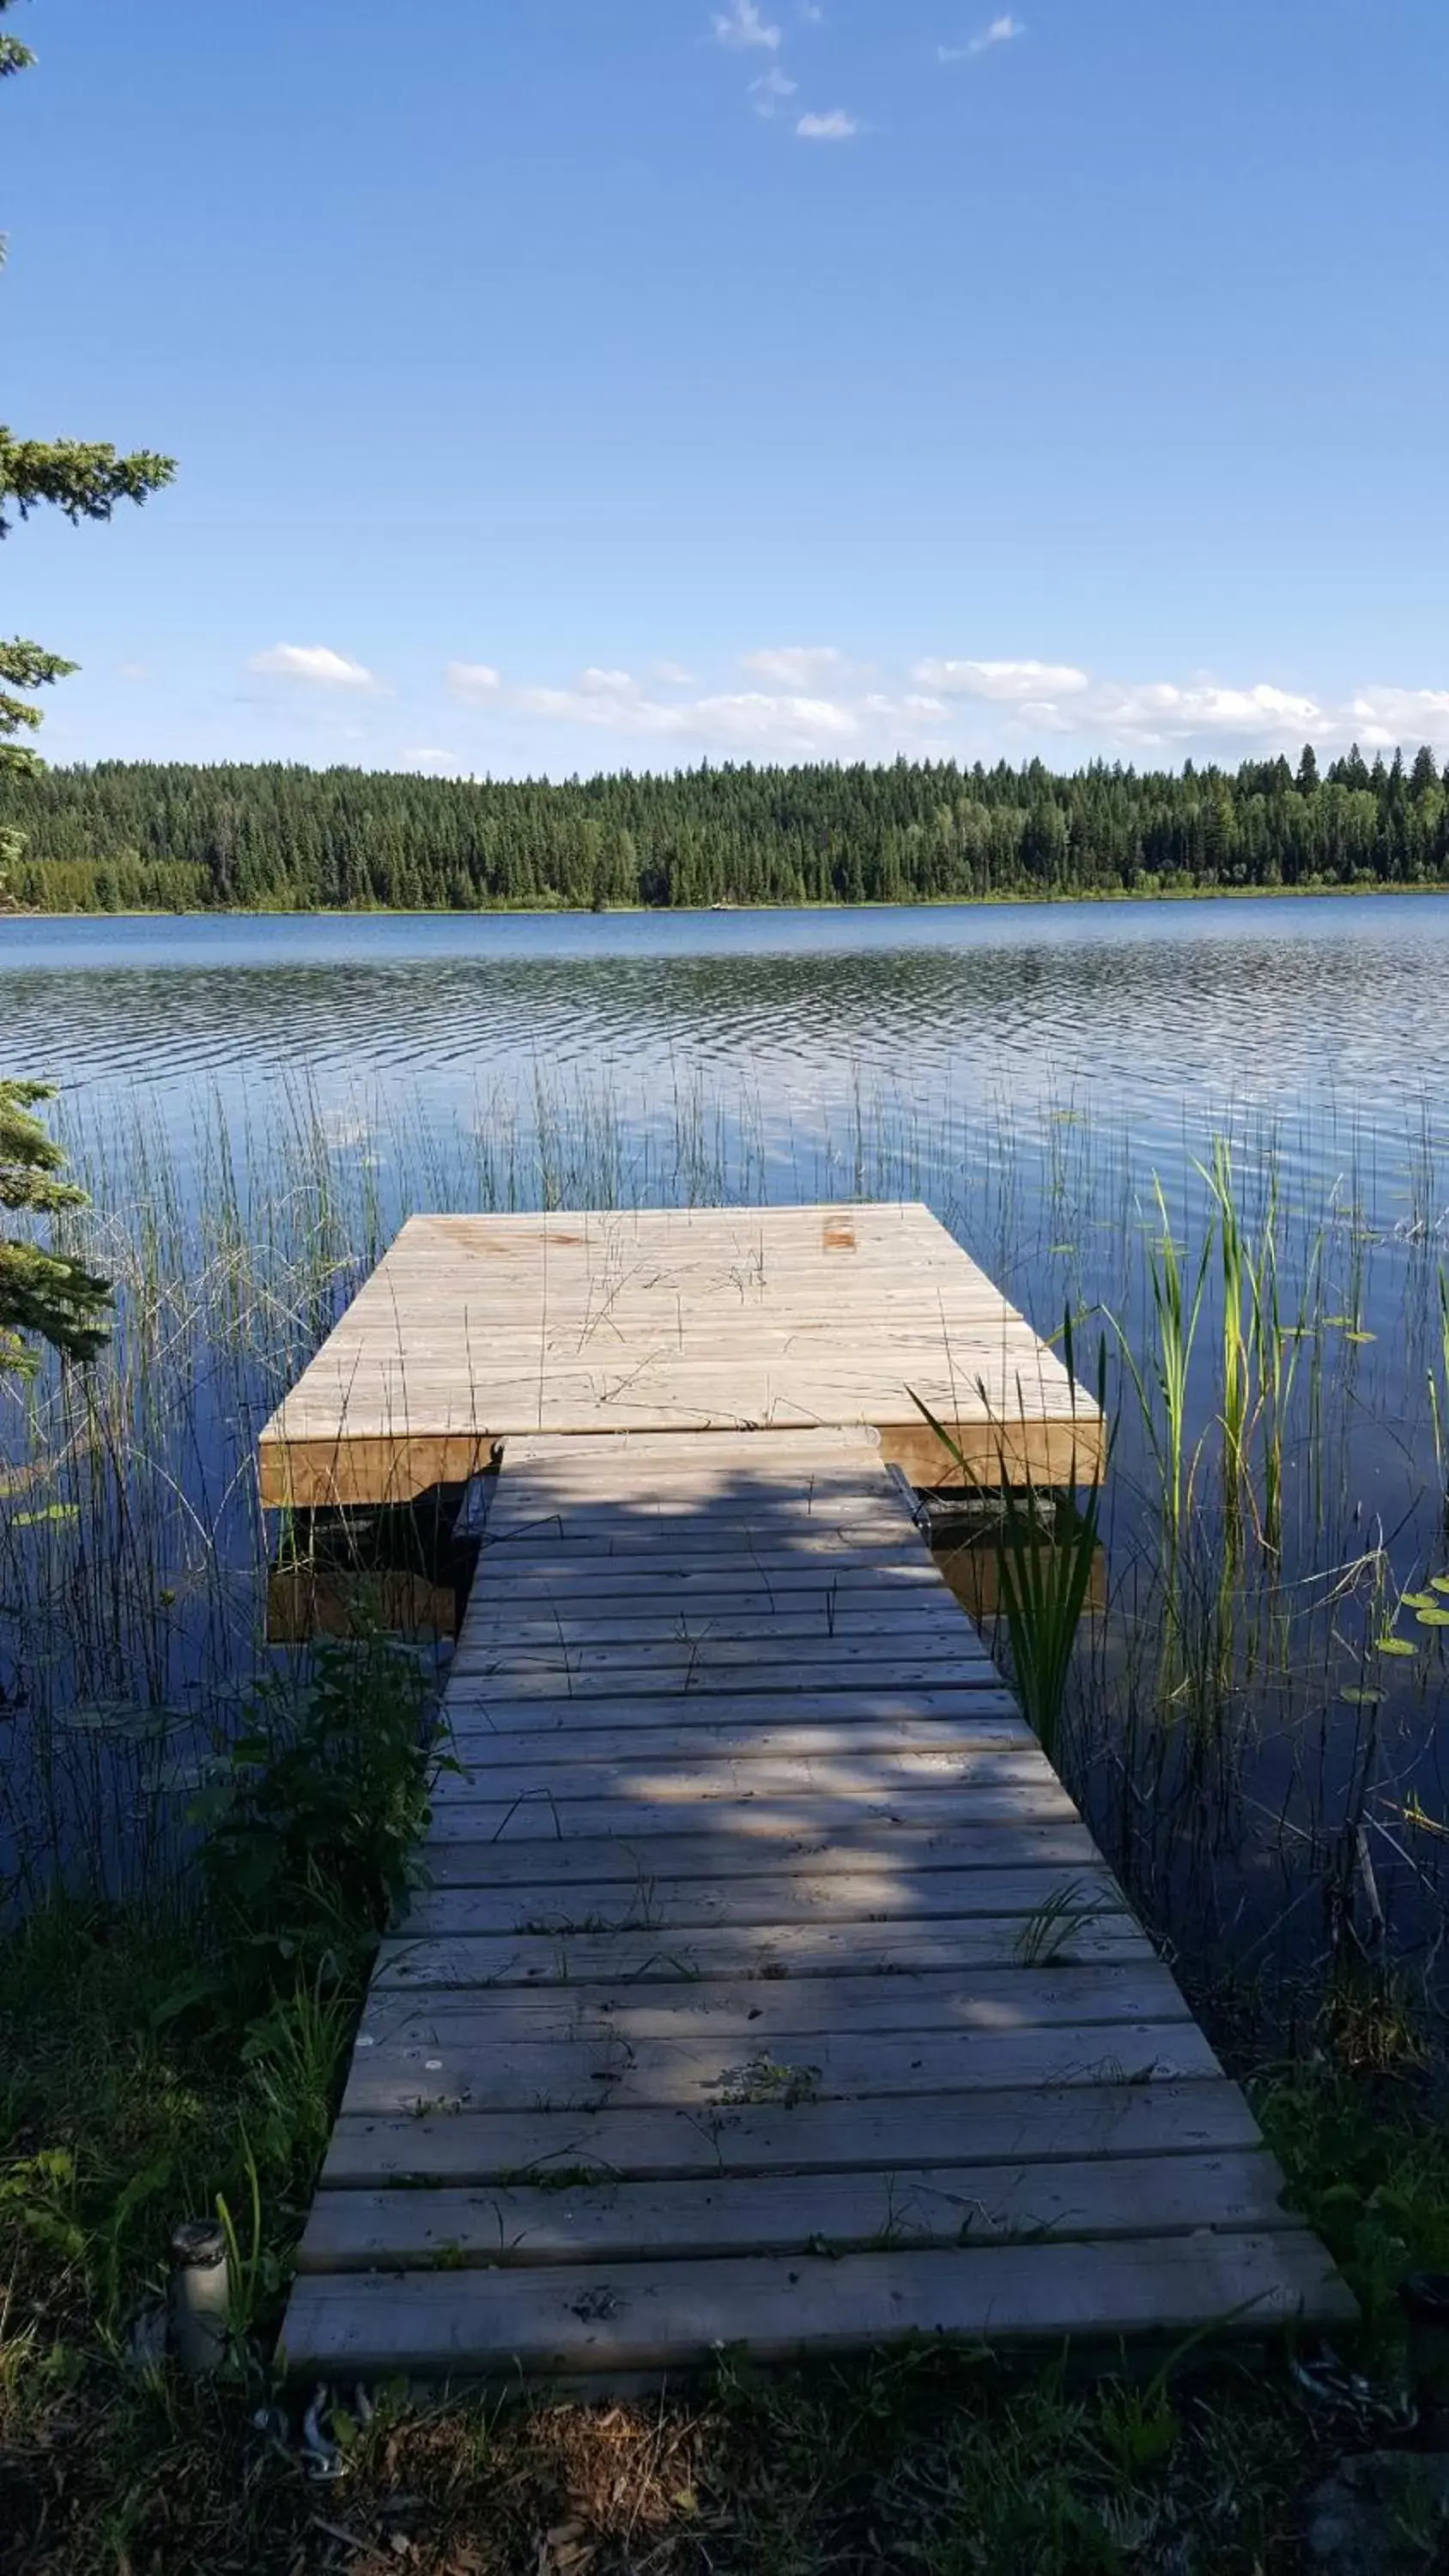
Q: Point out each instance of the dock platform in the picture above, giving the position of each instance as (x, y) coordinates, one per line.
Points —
(767, 1989)
(474, 1329)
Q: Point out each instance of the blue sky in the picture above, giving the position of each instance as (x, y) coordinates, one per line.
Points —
(583, 383)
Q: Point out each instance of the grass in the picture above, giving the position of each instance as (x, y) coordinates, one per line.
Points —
(927, 2465)
(1249, 1717)
(124, 2115)
(180, 2058)
(926, 2461)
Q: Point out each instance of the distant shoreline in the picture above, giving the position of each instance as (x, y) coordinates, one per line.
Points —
(664, 912)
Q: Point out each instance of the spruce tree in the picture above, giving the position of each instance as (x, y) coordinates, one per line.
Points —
(41, 1292)
(46, 1293)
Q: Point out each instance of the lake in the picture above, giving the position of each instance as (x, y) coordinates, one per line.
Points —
(257, 1102)
(1317, 1014)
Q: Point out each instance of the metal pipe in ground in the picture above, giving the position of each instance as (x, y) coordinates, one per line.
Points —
(200, 2296)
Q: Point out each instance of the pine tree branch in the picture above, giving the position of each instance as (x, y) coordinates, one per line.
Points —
(49, 1294)
(82, 478)
(42, 1292)
(28, 666)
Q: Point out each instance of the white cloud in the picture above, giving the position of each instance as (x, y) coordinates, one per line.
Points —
(747, 721)
(426, 755)
(1002, 683)
(1002, 31)
(316, 664)
(135, 671)
(795, 666)
(474, 680)
(837, 127)
(741, 26)
(1159, 713)
(812, 702)
(770, 89)
(1382, 718)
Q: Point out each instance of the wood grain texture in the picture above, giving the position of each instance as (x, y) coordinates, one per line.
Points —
(946, 2205)
(1038, 2127)
(672, 2315)
(669, 1323)
(766, 1952)
(764, 1986)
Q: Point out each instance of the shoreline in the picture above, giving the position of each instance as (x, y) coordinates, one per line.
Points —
(1049, 900)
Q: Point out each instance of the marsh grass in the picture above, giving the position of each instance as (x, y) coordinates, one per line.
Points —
(1046, 1550)
(1275, 1491)
(1254, 1707)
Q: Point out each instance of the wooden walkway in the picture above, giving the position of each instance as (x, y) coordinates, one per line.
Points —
(475, 1329)
(768, 1989)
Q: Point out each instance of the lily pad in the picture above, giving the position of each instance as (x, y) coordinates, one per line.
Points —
(1418, 1601)
(1435, 1618)
(1362, 1698)
(132, 1721)
(1439, 1582)
(48, 1512)
(1393, 1646)
(182, 1776)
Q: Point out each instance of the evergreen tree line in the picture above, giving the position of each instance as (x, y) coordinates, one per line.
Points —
(129, 836)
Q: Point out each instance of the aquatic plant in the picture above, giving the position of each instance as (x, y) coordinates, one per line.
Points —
(1274, 1491)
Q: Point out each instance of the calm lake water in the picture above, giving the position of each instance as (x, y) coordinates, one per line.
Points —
(1323, 1017)
(1032, 1072)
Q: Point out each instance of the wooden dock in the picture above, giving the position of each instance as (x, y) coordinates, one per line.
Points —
(767, 1989)
(476, 1329)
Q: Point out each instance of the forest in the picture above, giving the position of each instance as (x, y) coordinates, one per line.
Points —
(141, 836)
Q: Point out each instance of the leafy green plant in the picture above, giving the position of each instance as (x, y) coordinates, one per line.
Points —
(38, 2192)
(311, 1828)
(1369, 2171)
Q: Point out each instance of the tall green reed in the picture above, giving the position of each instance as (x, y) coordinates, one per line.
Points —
(1261, 1454)
(1046, 1552)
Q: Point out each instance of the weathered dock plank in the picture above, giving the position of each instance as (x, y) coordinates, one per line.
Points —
(751, 1939)
(604, 2320)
